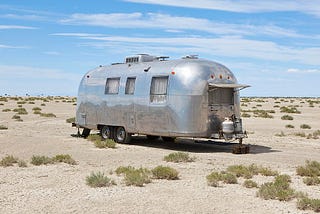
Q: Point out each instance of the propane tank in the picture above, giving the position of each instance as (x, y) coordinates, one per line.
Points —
(227, 126)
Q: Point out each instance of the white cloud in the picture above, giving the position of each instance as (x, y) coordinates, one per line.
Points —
(243, 6)
(19, 27)
(12, 47)
(175, 24)
(297, 70)
(223, 46)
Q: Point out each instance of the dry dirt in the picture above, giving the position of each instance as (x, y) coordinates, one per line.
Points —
(61, 188)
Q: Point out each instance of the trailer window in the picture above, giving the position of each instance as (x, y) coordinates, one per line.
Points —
(112, 86)
(218, 96)
(158, 90)
(130, 85)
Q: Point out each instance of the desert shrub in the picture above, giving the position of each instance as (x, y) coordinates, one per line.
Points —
(6, 110)
(267, 171)
(21, 102)
(16, 117)
(286, 117)
(277, 190)
(276, 106)
(3, 127)
(42, 104)
(8, 160)
(37, 112)
(98, 180)
(306, 203)
(263, 113)
(246, 115)
(250, 184)
(228, 178)
(312, 169)
(179, 157)
(31, 102)
(22, 163)
(124, 169)
(240, 171)
(64, 158)
(316, 134)
(108, 143)
(305, 126)
(289, 126)
(3, 99)
(311, 180)
(291, 110)
(36, 109)
(40, 160)
(300, 134)
(214, 178)
(137, 177)
(165, 172)
(20, 111)
(94, 137)
(47, 115)
(71, 120)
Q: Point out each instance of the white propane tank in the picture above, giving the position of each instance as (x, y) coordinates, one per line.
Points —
(227, 126)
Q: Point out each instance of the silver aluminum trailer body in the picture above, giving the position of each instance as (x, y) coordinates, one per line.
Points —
(188, 97)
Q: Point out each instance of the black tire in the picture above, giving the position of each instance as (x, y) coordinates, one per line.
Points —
(85, 132)
(168, 139)
(106, 132)
(152, 137)
(121, 136)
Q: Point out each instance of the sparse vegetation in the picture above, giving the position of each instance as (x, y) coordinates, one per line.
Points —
(64, 158)
(17, 118)
(290, 110)
(98, 180)
(20, 111)
(3, 127)
(177, 157)
(250, 184)
(165, 172)
(38, 160)
(134, 177)
(47, 115)
(277, 190)
(306, 203)
(312, 169)
(246, 115)
(311, 180)
(71, 120)
(281, 134)
(251, 170)
(305, 126)
(22, 163)
(8, 160)
(214, 178)
(289, 126)
(6, 110)
(101, 143)
(300, 134)
(286, 117)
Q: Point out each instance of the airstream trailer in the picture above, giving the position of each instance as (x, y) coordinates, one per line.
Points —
(154, 96)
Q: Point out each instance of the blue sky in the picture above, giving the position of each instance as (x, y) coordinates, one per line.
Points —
(47, 46)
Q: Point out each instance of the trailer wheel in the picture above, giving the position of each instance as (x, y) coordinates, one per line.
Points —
(121, 136)
(168, 139)
(85, 133)
(106, 132)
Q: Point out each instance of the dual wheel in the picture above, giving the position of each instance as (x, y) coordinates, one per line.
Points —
(118, 134)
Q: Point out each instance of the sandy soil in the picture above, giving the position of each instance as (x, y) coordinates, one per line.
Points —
(61, 188)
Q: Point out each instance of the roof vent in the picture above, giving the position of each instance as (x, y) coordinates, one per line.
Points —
(140, 58)
(190, 57)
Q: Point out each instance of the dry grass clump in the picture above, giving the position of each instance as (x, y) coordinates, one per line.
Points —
(215, 178)
(246, 115)
(177, 157)
(250, 184)
(290, 110)
(286, 117)
(306, 203)
(251, 170)
(3, 99)
(71, 120)
(311, 181)
(305, 126)
(47, 115)
(101, 143)
(289, 126)
(38, 160)
(6, 110)
(311, 169)
(277, 190)
(8, 160)
(99, 180)
(165, 172)
(134, 177)
(20, 110)
(17, 118)
(3, 127)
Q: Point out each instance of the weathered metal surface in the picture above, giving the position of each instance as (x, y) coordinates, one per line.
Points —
(200, 95)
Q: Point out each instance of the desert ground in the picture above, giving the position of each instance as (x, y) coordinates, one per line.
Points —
(62, 188)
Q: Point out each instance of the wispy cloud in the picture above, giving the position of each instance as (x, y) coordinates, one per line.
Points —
(175, 23)
(243, 6)
(12, 47)
(222, 46)
(18, 27)
(297, 70)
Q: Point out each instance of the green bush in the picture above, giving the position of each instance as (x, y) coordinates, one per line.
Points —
(277, 190)
(20, 111)
(40, 160)
(291, 110)
(305, 203)
(240, 171)
(124, 169)
(36, 109)
(165, 172)
(108, 143)
(286, 117)
(134, 177)
(6, 110)
(311, 180)
(47, 115)
(98, 180)
(305, 126)
(214, 178)
(289, 126)
(64, 158)
(267, 171)
(177, 157)
(8, 160)
(312, 169)
(250, 184)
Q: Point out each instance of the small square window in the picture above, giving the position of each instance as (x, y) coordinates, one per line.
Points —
(130, 85)
(158, 89)
(112, 86)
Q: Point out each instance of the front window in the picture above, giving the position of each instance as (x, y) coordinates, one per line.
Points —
(158, 90)
(219, 96)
